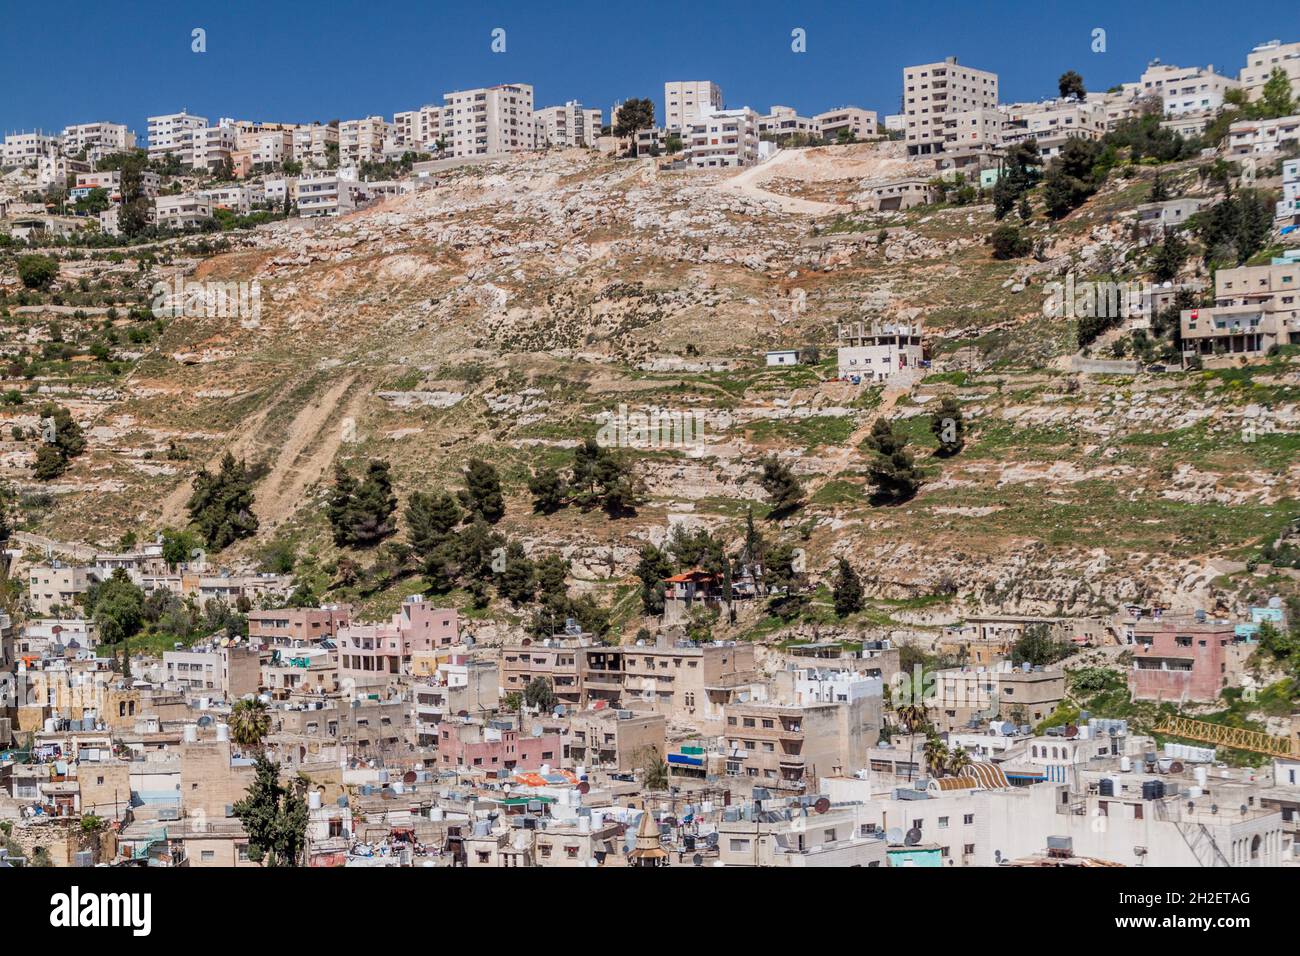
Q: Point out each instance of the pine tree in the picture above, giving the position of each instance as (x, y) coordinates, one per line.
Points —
(891, 471)
(549, 491)
(518, 581)
(482, 495)
(948, 426)
(652, 569)
(274, 816)
(784, 491)
(221, 506)
(846, 589)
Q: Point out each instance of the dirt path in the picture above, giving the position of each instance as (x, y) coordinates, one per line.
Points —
(746, 183)
(844, 457)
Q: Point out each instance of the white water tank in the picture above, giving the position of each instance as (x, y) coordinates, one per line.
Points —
(1126, 763)
(313, 800)
(584, 824)
(546, 768)
(223, 731)
(191, 733)
(1202, 777)
(435, 813)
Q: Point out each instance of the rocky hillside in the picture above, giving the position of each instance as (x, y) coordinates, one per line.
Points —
(499, 312)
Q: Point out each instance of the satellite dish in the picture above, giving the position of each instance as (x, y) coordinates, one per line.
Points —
(894, 836)
(697, 860)
(913, 837)
(559, 710)
(1071, 731)
(462, 713)
(997, 856)
(584, 787)
(409, 777)
(1176, 767)
(711, 841)
(822, 805)
(538, 730)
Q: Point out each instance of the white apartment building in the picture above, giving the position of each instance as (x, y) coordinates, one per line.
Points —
(1290, 202)
(1121, 104)
(974, 130)
(111, 181)
(1260, 137)
(1264, 59)
(26, 149)
(568, 125)
(880, 352)
(174, 133)
(1186, 90)
(783, 121)
(723, 138)
(213, 145)
(858, 123)
(489, 121)
(932, 91)
(238, 199)
(420, 128)
(97, 140)
(1053, 123)
(314, 144)
(328, 195)
(181, 211)
(362, 140)
(53, 169)
(686, 100)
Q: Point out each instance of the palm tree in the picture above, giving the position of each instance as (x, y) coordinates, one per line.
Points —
(249, 722)
(936, 754)
(958, 761)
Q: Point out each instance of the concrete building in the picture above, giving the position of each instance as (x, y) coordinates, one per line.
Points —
(725, 138)
(181, 211)
(496, 747)
(1186, 90)
(1263, 60)
(419, 129)
(489, 121)
(686, 101)
(1022, 695)
(613, 739)
(568, 125)
(97, 140)
(328, 194)
(1263, 137)
(1054, 123)
(26, 149)
(316, 146)
(362, 140)
(173, 133)
(297, 626)
(800, 837)
(212, 146)
(555, 660)
(1184, 659)
(932, 91)
(229, 672)
(57, 586)
(880, 352)
(782, 122)
(848, 121)
(1255, 308)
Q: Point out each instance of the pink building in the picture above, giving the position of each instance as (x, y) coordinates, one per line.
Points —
(297, 624)
(372, 649)
(1181, 659)
(471, 743)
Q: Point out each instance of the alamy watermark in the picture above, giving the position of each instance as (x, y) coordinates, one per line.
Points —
(656, 428)
(1096, 300)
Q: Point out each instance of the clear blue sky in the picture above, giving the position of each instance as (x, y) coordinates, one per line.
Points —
(296, 61)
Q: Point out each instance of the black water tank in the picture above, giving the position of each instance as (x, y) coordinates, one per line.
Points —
(1106, 787)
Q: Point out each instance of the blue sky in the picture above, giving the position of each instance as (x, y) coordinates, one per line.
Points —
(296, 61)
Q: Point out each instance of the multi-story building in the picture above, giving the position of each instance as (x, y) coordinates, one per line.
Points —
(174, 133)
(230, 672)
(316, 146)
(327, 194)
(55, 169)
(489, 121)
(97, 140)
(212, 146)
(568, 125)
(1184, 658)
(686, 101)
(26, 149)
(1054, 123)
(614, 739)
(555, 660)
(1255, 308)
(782, 122)
(419, 129)
(1018, 694)
(931, 91)
(495, 746)
(378, 650)
(1262, 137)
(57, 585)
(1186, 90)
(297, 626)
(847, 121)
(1264, 59)
(181, 211)
(362, 140)
(879, 352)
(788, 746)
(725, 138)
(688, 681)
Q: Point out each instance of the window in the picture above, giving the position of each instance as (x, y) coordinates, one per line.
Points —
(943, 823)
(968, 819)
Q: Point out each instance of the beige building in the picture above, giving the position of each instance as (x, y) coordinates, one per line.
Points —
(613, 739)
(1003, 693)
(181, 211)
(97, 140)
(685, 101)
(26, 149)
(932, 91)
(316, 146)
(419, 129)
(568, 125)
(1186, 90)
(489, 121)
(1264, 59)
(782, 122)
(1255, 308)
(57, 585)
(787, 746)
(849, 120)
(362, 140)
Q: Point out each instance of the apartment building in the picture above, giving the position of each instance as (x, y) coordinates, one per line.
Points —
(111, 182)
(212, 146)
(174, 133)
(691, 681)
(316, 146)
(964, 696)
(1255, 308)
(1184, 658)
(266, 149)
(1263, 137)
(555, 660)
(97, 140)
(57, 585)
(1289, 205)
(1263, 60)
(419, 129)
(878, 352)
(297, 626)
(229, 672)
(788, 746)
(568, 125)
(613, 739)
(1186, 90)
(54, 169)
(1054, 123)
(932, 91)
(328, 194)
(181, 211)
(721, 139)
(846, 121)
(26, 149)
(782, 122)
(495, 746)
(362, 140)
(489, 121)
(686, 101)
